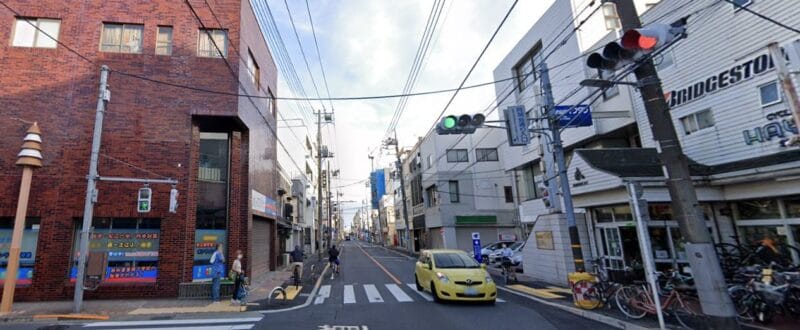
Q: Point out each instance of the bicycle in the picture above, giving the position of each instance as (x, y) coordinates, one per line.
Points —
(765, 294)
(312, 275)
(636, 301)
(597, 292)
(296, 276)
(508, 271)
(762, 252)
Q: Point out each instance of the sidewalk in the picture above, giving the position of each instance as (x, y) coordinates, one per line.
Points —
(561, 297)
(127, 308)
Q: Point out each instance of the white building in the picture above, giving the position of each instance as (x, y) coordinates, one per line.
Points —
(730, 133)
(463, 188)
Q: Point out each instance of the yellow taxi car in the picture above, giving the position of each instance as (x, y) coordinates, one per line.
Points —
(454, 275)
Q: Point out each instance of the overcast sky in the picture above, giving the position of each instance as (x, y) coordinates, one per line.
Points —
(367, 48)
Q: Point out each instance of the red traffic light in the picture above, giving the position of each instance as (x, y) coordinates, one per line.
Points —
(651, 37)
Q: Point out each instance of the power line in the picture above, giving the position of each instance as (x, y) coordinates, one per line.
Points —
(302, 52)
(319, 55)
(762, 16)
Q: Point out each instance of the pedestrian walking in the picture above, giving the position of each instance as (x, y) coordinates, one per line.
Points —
(333, 258)
(238, 277)
(297, 260)
(217, 270)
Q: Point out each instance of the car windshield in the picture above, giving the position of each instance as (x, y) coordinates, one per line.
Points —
(516, 245)
(454, 260)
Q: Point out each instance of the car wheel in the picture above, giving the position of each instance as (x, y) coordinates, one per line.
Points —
(435, 293)
(419, 286)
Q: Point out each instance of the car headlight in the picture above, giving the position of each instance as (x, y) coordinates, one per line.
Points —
(442, 277)
(489, 278)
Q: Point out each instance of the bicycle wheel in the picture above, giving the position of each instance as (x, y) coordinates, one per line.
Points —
(730, 257)
(590, 293)
(742, 302)
(687, 312)
(628, 298)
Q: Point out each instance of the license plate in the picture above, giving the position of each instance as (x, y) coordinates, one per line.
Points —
(470, 292)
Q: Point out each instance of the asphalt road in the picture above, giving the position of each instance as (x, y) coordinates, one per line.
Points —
(374, 290)
(365, 295)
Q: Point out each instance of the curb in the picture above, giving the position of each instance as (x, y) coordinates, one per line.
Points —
(310, 298)
(608, 320)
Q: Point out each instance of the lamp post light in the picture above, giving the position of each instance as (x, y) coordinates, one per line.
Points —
(29, 157)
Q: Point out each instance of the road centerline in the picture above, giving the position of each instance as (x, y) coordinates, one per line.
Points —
(394, 278)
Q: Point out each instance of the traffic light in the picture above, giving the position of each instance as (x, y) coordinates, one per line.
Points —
(143, 203)
(464, 124)
(634, 44)
(173, 200)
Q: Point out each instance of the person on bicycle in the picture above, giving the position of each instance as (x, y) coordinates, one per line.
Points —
(297, 260)
(505, 256)
(333, 258)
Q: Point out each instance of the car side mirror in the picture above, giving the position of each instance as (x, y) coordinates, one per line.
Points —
(429, 266)
(483, 266)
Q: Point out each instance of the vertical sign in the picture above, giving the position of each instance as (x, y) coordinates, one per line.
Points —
(476, 246)
(517, 126)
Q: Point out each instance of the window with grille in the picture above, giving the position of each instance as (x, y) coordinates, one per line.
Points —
(210, 40)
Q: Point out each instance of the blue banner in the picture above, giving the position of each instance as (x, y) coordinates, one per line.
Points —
(378, 185)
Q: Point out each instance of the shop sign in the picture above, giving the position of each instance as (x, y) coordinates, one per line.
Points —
(723, 79)
(27, 255)
(544, 240)
(261, 203)
(781, 125)
(205, 243)
(580, 179)
(132, 254)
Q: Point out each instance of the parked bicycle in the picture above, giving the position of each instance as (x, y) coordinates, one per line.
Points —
(765, 294)
(509, 272)
(763, 252)
(597, 292)
(636, 301)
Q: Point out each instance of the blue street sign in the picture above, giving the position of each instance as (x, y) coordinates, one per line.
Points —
(573, 115)
(517, 126)
(476, 246)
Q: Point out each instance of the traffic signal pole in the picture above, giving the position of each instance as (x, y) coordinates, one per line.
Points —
(558, 152)
(402, 192)
(706, 270)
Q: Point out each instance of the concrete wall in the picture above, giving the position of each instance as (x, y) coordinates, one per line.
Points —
(552, 266)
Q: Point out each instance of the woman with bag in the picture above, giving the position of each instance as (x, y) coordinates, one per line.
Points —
(238, 276)
(217, 269)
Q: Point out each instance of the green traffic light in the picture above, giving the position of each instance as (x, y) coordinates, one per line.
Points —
(449, 122)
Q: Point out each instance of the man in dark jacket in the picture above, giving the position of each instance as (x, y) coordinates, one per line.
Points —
(297, 259)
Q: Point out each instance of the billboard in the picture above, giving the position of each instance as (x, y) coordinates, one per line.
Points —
(378, 186)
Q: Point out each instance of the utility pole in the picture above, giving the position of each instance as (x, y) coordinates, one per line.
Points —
(558, 151)
(785, 78)
(91, 190)
(330, 207)
(707, 273)
(407, 235)
(319, 181)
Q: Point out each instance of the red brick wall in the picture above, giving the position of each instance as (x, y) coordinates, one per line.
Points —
(146, 125)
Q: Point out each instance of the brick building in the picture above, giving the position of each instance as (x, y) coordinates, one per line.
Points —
(220, 148)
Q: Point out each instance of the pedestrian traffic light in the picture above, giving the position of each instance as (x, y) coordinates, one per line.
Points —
(173, 200)
(634, 45)
(464, 124)
(143, 205)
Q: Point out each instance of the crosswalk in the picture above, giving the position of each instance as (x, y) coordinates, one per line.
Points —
(242, 323)
(349, 294)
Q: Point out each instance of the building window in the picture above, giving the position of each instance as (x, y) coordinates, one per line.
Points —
(769, 94)
(431, 196)
(525, 70)
(430, 161)
(609, 92)
(486, 155)
(509, 194)
(209, 40)
(697, 121)
(253, 71)
(27, 256)
(131, 245)
(610, 16)
(665, 61)
(164, 40)
(33, 32)
(121, 38)
(457, 156)
(212, 200)
(454, 192)
(792, 208)
(526, 180)
(738, 4)
(758, 209)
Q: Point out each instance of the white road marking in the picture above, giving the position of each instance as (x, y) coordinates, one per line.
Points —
(500, 300)
(372, 293)
(324, 293)
(171, 322)
(398, 293)
(421, 293)
(349, 295)
(215, 327)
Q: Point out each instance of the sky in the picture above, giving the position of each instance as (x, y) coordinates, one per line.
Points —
(367, 48)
